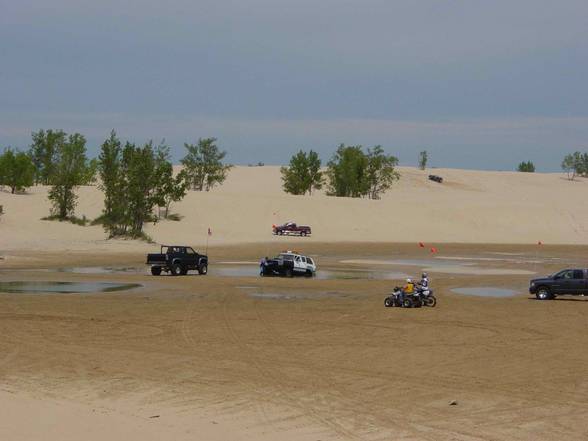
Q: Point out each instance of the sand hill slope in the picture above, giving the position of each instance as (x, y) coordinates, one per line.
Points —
(469, 207)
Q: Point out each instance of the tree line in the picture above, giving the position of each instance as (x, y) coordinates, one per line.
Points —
(351, 172)
(135, 179)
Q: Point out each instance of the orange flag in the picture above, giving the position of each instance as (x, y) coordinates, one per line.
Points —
(422, 245)
(433, 250)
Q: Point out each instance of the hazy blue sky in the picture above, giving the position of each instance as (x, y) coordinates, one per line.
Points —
(478, 83)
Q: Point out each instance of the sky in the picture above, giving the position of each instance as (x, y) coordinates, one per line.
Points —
(478, 84)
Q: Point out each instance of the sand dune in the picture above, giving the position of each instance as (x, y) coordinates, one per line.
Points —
(469, 207)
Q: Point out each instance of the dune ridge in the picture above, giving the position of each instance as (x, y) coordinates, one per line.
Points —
(469, 207)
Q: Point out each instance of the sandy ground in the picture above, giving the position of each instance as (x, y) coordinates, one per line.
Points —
(243, 358)
(469, 207)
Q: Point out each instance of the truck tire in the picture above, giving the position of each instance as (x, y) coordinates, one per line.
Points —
(203, 269)
(289, 273)
(543, 293)
(184, 270)
(156, 270)
(176, 269)
(303, 233)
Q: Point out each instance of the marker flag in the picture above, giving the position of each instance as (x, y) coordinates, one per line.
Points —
(209, 231)
(422, 245)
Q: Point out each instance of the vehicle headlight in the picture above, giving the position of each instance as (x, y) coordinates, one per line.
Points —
(532, 283)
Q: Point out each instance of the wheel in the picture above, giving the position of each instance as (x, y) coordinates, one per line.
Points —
(388, 302)
(156, 270)
(289, 273)
(303, 233)
(543, 293)
(430, 301)
(184, 271)
(203, 269)
(176, 270)
(407, 303)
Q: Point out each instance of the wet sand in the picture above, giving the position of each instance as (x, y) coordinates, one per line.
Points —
(269, 358)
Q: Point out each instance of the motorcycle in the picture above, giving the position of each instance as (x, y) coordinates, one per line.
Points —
(422, 297)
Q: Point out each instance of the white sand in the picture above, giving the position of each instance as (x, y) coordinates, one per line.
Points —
(469, 207)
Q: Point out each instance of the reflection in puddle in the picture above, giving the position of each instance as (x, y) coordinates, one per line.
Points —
(64, 287)
(485, 292)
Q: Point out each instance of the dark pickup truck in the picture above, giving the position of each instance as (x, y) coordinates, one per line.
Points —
(292, 229)
(568, 282)
(177, 260)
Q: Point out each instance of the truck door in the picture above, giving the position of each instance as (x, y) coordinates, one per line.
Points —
(299, 265)
(568, 282)
(578, 282)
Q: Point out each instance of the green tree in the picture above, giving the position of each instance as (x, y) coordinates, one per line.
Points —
(347, 172)
(16, 170)
(203, 164)
(168, 188)
(423, 158)
(526, 167)
(381, 172)
(70, 171)
(112, 184)
(572, 164)
(44, 153)
(303, 174)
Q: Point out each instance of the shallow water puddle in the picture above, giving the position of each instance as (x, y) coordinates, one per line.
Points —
(64, 287)
(439, 265)
(485, 292)
(253, 271)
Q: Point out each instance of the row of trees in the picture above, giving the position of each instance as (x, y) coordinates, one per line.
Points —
(351, 172)
(135, 179)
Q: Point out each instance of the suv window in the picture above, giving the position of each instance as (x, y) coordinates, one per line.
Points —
(190, 251)
(309, 260)
(578, 274)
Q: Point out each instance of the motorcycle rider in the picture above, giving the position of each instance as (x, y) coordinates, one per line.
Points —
(424, 283)
(407, 289)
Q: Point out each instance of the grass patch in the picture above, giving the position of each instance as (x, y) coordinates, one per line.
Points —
(81, 221)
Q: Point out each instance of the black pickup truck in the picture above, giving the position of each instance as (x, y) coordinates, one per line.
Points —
(177, 260)
(568, 281)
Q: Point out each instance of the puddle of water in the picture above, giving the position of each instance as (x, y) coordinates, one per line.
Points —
(64, 287)
(485, 292)
(293, 295)
(445, 266)
(102, 270)
(253, 271)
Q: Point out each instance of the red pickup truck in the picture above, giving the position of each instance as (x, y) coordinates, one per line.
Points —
(290, 228)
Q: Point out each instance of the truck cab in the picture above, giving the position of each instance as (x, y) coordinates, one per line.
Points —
(571, 281)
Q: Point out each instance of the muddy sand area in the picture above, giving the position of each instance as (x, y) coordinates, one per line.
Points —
(236, 356)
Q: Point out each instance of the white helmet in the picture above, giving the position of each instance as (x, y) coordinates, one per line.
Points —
(409, 280)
